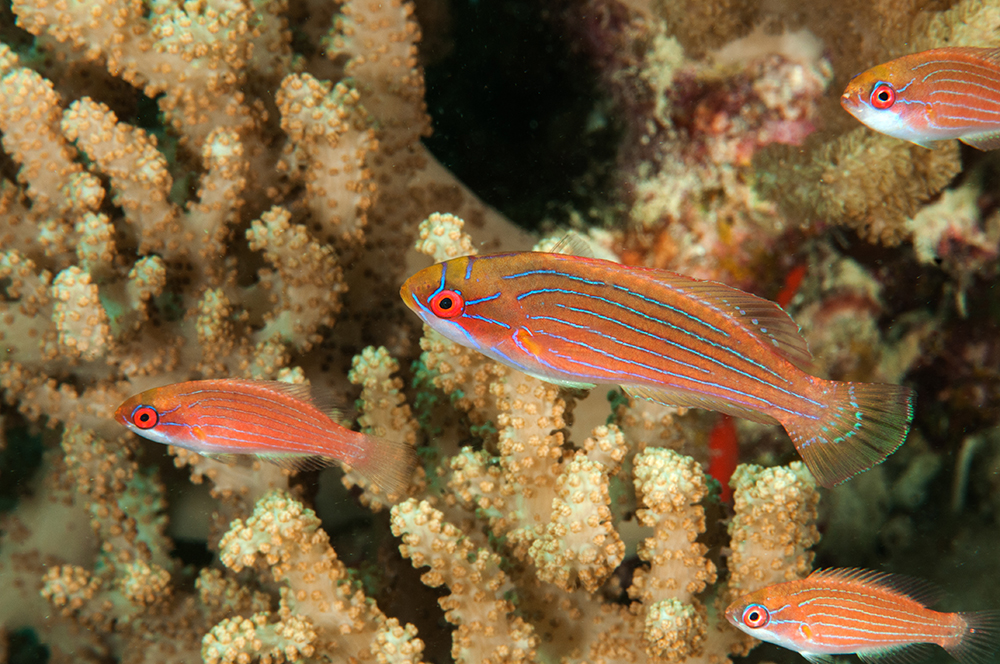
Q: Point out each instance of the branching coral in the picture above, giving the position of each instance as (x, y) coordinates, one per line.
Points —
(262, 230)
(321, 610)
(213, 244)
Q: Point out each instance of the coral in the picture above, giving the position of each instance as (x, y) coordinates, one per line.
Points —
(321, 610)
(486, 631)
(869, 181)
(227, 240)
(260, 226)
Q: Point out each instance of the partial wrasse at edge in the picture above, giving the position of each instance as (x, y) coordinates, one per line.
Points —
(930, 96)
(665, 337)
(881, 617)
(280, 423)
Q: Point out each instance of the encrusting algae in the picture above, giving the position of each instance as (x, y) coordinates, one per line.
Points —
(259, 228)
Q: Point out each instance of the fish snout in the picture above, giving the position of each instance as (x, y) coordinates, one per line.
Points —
(731, 612)
(408, 296)
(123, 411)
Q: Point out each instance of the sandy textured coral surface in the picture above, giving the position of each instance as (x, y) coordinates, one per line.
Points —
(231, 188)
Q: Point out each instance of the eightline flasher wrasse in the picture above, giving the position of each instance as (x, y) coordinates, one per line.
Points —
(661, 336)
(281, 423)
(881, 617)
(930, 96)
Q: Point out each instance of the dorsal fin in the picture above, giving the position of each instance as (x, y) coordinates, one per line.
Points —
(317, 396)
(761, 318)
(570, 244)
(916, 589)
(991, 55)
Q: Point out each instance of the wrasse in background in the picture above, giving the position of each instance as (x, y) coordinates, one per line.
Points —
(931, 96)
(278, 422)
(661, 336)
(876, 615)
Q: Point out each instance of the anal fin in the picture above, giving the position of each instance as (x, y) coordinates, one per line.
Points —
(299, 462)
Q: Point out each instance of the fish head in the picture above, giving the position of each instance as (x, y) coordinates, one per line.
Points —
(145, 414)
(768, 615)
(461, 299)
(886, 98)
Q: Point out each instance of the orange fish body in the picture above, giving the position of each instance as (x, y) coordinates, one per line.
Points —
(278, 422)
(873, 614)
(665, 337)
(940, 94)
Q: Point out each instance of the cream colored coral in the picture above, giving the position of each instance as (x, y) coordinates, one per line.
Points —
(774, 526)
(384, 412)
(286, 537)
(79, 315)
(69, 587)
(241, 640)
(671, 487)
(486, 632)
(580, 541)
(675, 630)
(306, 284)
(138, 172)
(330, 140)
(96, 247)
(27, 331)
(380, 39)
(29, 119)
(220, 192)
(461, 373)
(441, 236)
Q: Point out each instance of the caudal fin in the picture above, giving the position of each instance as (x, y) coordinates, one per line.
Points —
(861, 425)
(388, 464)
(980, 641)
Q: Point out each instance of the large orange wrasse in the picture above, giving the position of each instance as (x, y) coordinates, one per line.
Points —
(876, 615)
(281, 423)
(662, 336)
(931, 96)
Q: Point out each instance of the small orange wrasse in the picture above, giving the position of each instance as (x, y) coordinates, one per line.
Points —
(662, 336)
(876, 615)
(278, 422)
(931, 96)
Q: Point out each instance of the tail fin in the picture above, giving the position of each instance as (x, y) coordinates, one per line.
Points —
(861, 424)
(981, 639)
(388, 464)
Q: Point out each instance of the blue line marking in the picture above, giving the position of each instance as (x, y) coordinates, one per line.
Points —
(441, 287)
(622, 289)
(438, 323)
(483, 299)
(488, 320)
(587, 328)
(709, 358)
(721, 347)
(707, 384)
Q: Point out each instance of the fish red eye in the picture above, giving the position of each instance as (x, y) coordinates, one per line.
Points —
(447, 304)
(883, 96)
(756, 616)
(145, 417)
